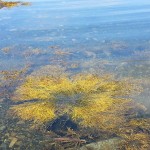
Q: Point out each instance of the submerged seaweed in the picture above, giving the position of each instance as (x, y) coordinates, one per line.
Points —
(91, 101)
(9, 4)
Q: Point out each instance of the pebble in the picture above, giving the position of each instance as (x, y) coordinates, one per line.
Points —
(12, 143)
(2, 128)
(1, 100)
(20, 122)
(101, 145)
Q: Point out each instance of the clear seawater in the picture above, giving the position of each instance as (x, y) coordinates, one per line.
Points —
(111, 34)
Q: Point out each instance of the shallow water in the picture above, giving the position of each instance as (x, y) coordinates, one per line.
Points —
(107, 36)
(113, 35)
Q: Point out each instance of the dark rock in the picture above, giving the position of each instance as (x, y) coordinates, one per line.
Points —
(1, 141)
(61, 124)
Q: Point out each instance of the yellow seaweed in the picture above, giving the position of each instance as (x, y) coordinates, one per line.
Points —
(37, 112)
(97, 101)
(9, 4)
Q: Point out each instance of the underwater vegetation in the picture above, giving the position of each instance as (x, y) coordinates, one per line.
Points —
(9, 80)
(82, 92)
(93, 101)
(135, 134)
(10, 4)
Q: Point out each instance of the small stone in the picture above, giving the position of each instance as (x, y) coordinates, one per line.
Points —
(12, 143)
(13, 134)
(1, 100)
(20, 122)
(2, 128)
(21, 137)
(101, 145)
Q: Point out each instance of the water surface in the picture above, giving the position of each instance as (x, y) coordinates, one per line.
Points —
(113, 35)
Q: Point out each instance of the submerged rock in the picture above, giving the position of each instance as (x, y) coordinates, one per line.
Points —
(2, 128)
(110, 144)
(61, 125)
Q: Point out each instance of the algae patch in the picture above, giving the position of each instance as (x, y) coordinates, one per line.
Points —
(9, 4)
(91, 100)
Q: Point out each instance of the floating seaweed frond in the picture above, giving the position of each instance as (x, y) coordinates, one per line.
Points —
(10, 4)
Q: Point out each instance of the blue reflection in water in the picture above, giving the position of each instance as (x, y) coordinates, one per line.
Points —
(68, 22)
